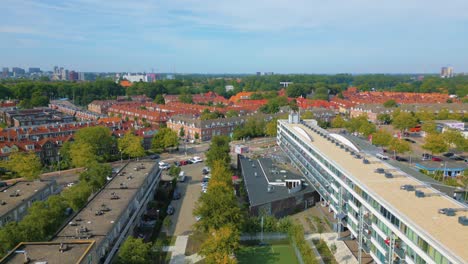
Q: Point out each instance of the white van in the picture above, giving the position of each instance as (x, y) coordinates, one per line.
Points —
(382, 157)
(181, 177)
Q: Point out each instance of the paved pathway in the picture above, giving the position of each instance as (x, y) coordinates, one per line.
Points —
(178, 252)
(343, 254)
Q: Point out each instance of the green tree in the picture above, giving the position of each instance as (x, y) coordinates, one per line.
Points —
(455, 139)
(219, 150)
(271, 128)
(159, 99)
(338, 122)
(96, 175)
(443, 114)
(404, 121)
(429, 127)
(220, 246)
(82, 154)
(181, 132)
(186, 98)
(218, 207)
(232, 113)
(381, 138)
(100, 140)
(399, 146)
(435, 143)
(384, 118)
(130, 145)
(367, 128)
(390, 103)
(134, 251)
(77, 195)
(164, 138)
(196, 136)
(25, 164)
(307, 115)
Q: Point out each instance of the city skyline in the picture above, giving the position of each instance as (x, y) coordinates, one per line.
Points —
(241, 37)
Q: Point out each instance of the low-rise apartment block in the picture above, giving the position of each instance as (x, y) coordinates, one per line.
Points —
(15, 199)
(104, 223)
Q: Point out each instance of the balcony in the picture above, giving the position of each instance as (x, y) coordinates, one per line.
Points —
(379, 232)
(378, 246)
(376, 259)
(353, 205)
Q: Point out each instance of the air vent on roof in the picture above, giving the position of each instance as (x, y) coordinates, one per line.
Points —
(452, 211)
(463, 220)
(388, 175)
(410, 188)
(421, 194)
(2, 202)
(365, 161)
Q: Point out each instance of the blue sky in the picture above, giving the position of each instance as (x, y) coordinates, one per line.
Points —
(237, 36)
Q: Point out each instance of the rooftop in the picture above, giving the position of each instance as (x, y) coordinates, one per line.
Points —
(49, 252)
(422, 213)
(110, 202)
(268, 174)
(19, 192)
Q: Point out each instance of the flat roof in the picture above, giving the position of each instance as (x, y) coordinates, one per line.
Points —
(421, 212)
(49, 252)
(268, 173)
(98, 226)
(25, 189)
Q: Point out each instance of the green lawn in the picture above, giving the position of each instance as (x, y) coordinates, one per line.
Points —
(269, 254)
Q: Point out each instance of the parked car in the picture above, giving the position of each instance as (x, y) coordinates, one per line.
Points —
(426, 156)
(448, 154)
(196, 159)
(154, 156)
(189, 161)
(436, 159)
(170, 210)
(409, 140)
(183, 162)
(177, 163)
(206, 170)
(176, 195)
(163, 165)
(401, 159)
(456, 157)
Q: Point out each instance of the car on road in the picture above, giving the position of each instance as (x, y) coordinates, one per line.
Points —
(448, 154)
(177, 163)
(170, 210)
(409, 140)
(436, 159)
(426, 156)
(183, 162)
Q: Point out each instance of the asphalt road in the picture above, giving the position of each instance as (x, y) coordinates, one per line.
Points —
(183, 219)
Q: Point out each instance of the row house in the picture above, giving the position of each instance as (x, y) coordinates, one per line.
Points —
(68, 108)
(46, 149)
(373, 110)
(206, 129)
(203, 98)
(28, 117)
(101, 106)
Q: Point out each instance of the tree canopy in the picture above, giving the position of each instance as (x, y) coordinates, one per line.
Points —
(134, 251)
(219, 151)
(25, 164)
(130, 145)
(164, 138)
(435, 143)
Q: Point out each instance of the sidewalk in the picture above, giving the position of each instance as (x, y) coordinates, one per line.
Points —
(343, 254)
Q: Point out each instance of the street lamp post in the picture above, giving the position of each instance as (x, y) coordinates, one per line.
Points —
(58, 162)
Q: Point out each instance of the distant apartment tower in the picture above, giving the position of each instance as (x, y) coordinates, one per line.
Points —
(18, 71)
(34, 70)
(5, 72)
(81, 76)
(73, 76)
(446, 72)
(64, 74)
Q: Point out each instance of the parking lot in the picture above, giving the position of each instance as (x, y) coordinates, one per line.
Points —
(190, 190)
